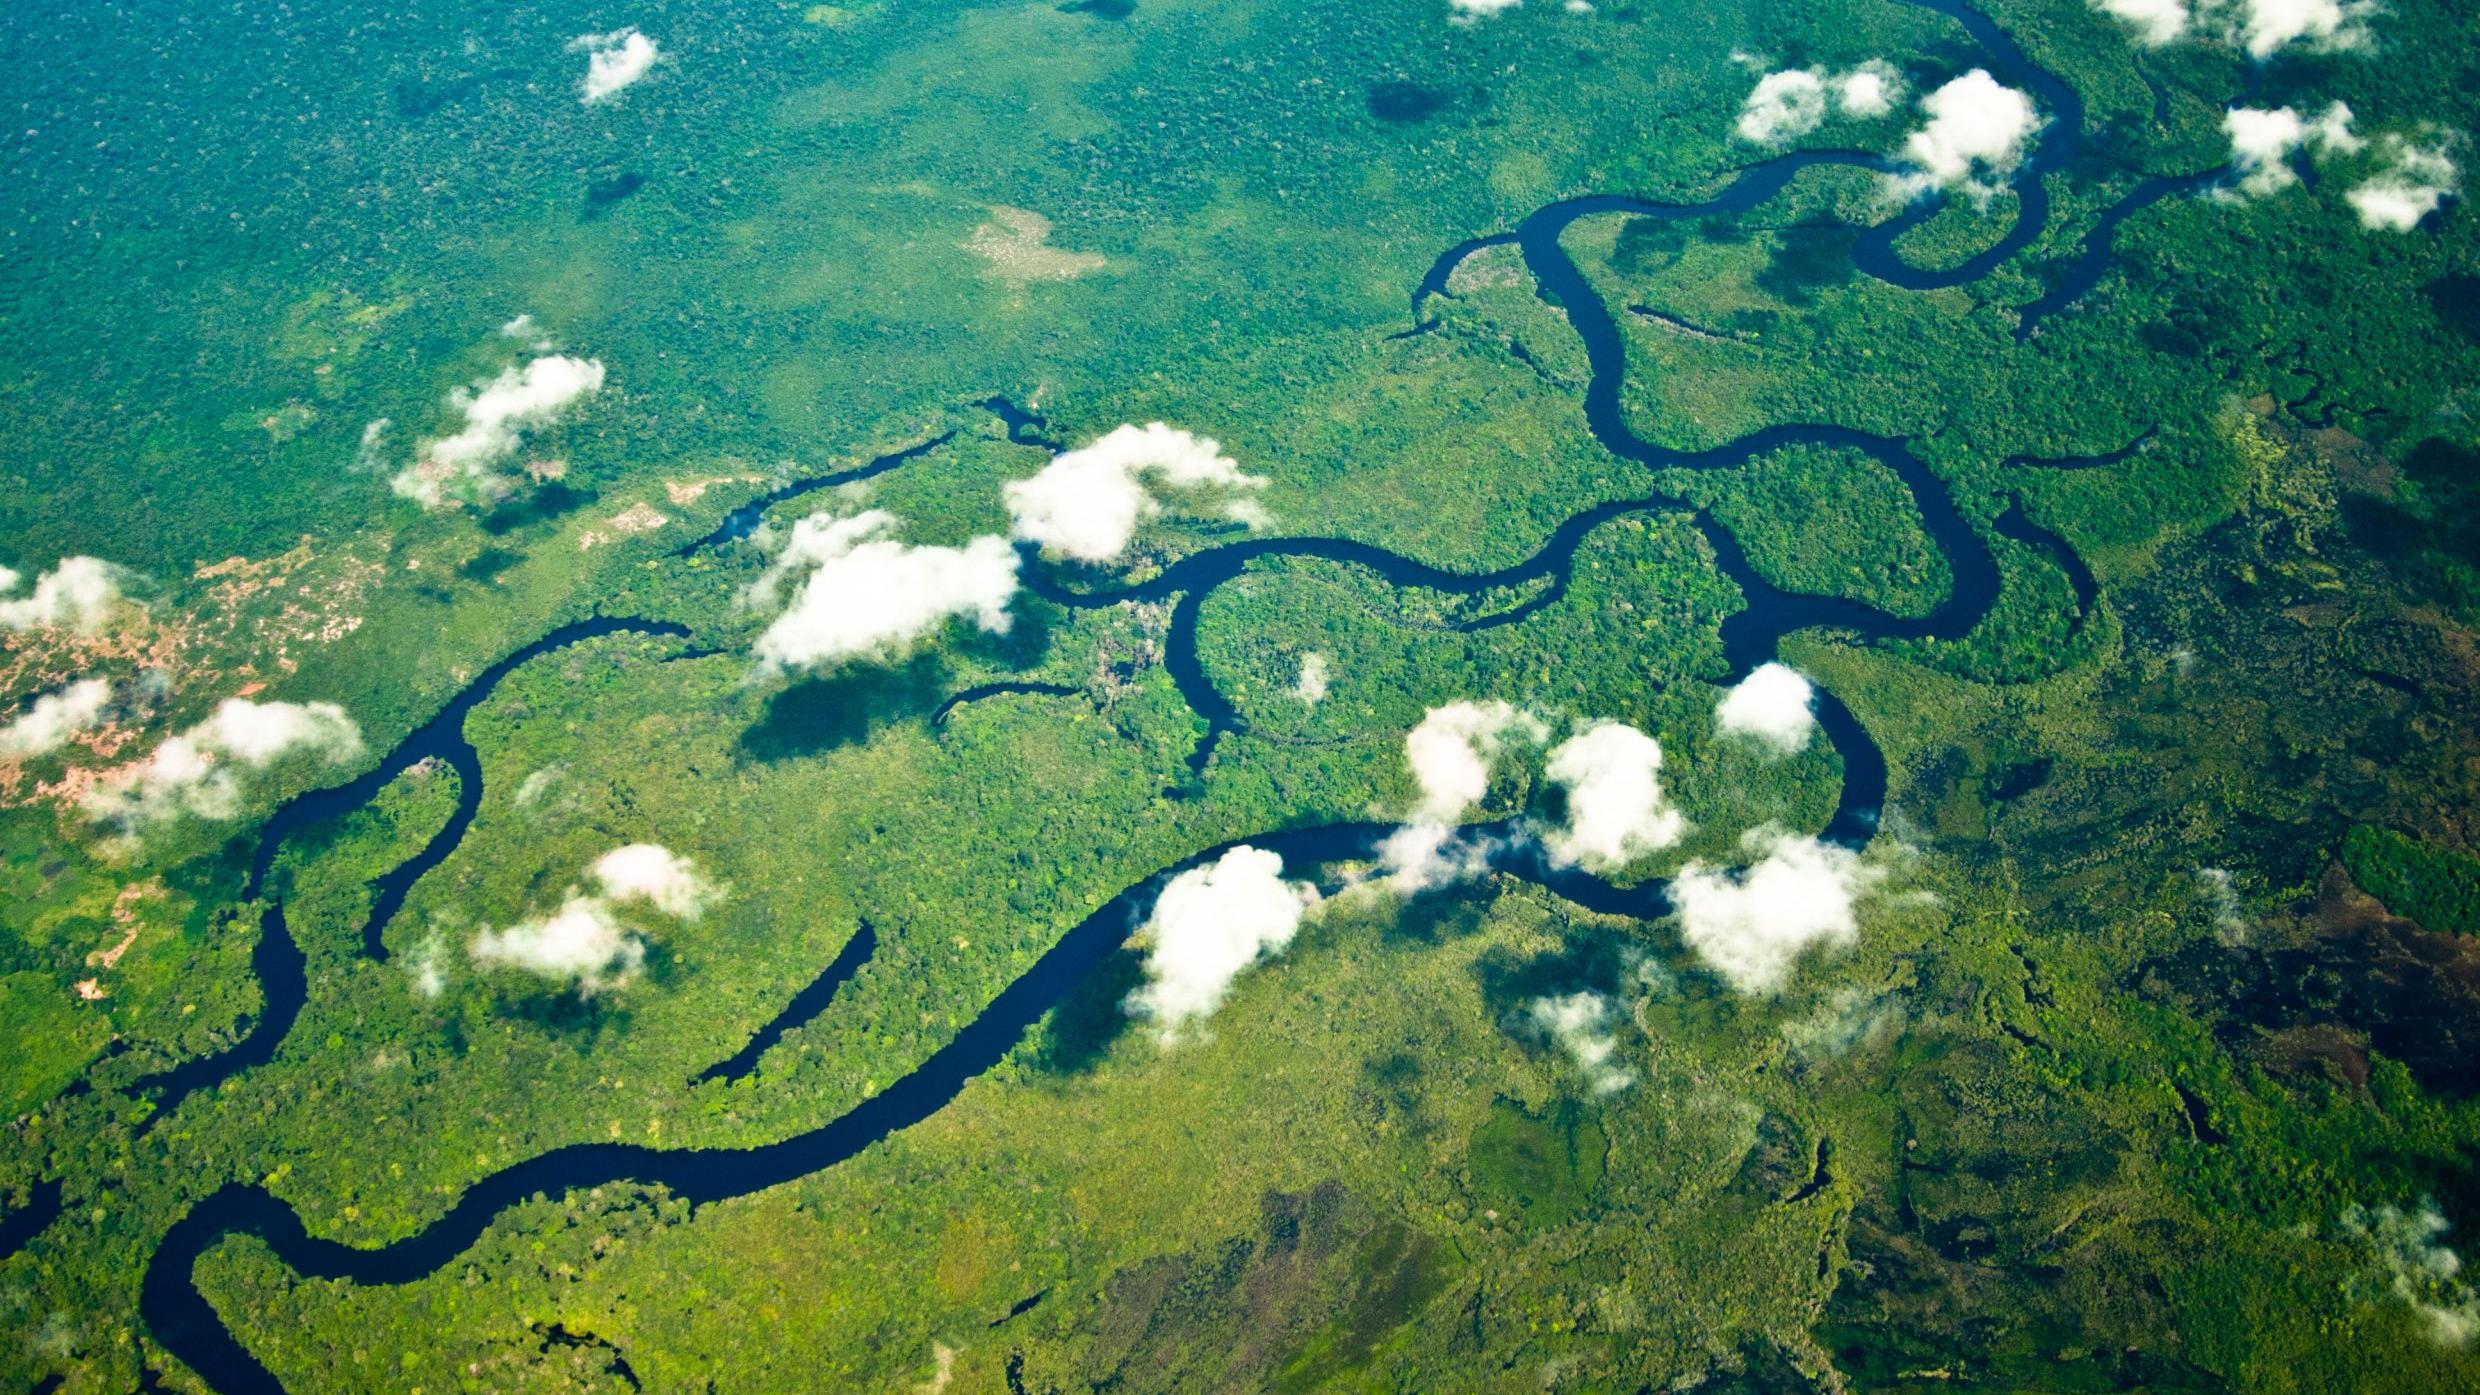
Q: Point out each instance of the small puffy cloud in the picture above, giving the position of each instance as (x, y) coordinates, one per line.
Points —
(2418, 176)
(2262, 27)
(519, 399)
(1420, 855)
(2331, 133)
(1867, 91)
(2262, 142)
(1792, 103)
(429, 969)
(1474, 11)
(50, 720)
(1450, 754)
(1977, 127)
(1774, 704)
(654, 874)
(2156, 22)
(179, 777)
(1583, 1025)
(76, 593)
(1311, 687)
(256, 733)
(497, 415)
(585, 942)
(1087, 502)
(2266, 26)
(1751, 924)
(582, 942)
(1209, 925)
(1615, 811)
(194, 772)
(1783, 106)
(614, 61)
(1451, 750)
(867, 595)
(2415, 174)
(2420, 1268)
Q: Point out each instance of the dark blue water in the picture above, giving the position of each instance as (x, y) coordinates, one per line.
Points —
(277, 960)
(980, 691)
(804, 1007)
(1749, 637)
(2015, 524)
(1024, 426)
(2077, 278)
(29, 1220)
(181, 1319)
(2057, 144)
(743, 521)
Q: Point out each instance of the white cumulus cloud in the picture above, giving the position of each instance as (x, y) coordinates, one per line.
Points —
(256, 733)
(1422, 855)
(865, 594)
(1774, 704)
(76, 593)
(582, 942)
(2266, 26)
(429, 969)
(1209, 925)
(1791, 103)
(2418, 176)
(1750, 924)
(1784, 105)
(195, 771)
(1451, 750)
(585, 942)
(1087, 502)
(497, 415)
(654, 874)
(1473, 11)
(1977, 128)
(2262, 27)
(1450, 754)
(2424, 1272)
(2261, 143)
(1583, 1024)
(614, 61)
(1615, 810)
(50, 720)
(370, 457)
(2263, 140)
(1868, 90)
(2156, 22)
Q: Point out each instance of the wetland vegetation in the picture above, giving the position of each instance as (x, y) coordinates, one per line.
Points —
(437, 953)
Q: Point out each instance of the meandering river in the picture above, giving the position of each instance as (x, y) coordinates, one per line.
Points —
(180, 1318)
